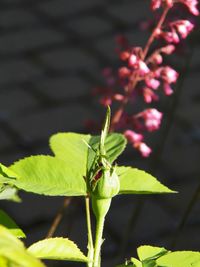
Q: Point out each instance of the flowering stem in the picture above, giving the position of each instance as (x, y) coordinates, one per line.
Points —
(118, 114)
(98, 241)
(90, 239)
(153, 35)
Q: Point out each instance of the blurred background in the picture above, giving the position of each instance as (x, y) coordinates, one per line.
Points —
(52, 53)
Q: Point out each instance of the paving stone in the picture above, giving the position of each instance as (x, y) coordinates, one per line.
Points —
(13, 18)
(64, 8)
(5, 140)
(129, 11)
(18, 71)
(180, 158)
(43, 124)
(63, 87)
(26, 40)
(107, 47)
(90, 26)
(68, 59)
(15, 101)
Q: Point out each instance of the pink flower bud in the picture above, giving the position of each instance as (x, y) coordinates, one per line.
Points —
(144, 149)
(143, 69)
(170, 3)
(133, 137)
(169, 75)
(124, 72)
(152, 119)
(167, 89)
(183, 27)
(124, 55)
(191, 5)
(133, 60)
(149, 95)
(118, 97)
(156, 58)
(169, 49)
(155, 4)
(152, 83)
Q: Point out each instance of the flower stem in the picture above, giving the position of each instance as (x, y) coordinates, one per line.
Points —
(98, 241)
(118, 114)
(90, 239)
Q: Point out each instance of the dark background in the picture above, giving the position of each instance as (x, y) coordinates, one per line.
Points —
(51, 56)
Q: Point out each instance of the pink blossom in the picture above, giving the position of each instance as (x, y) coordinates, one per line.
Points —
(169, 49)
(155, 4)
(118, 97)
(183, 27)
(152, 119)
(156, 58)
(133, 137)
(167, 89)
(170, 37)
(168, 74)
(124, 72)
(191, 5)
(144, 149)
(133, 60)
(152, 83)
(143, 69)
(124, 55)
(149, 95)
(170, 3)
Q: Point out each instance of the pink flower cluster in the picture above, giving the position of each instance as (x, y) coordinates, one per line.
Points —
(143, 73)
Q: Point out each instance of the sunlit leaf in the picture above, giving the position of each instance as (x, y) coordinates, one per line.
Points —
(150, 252)
(134, 181)
(57, 249)
(8, 222)
(48, 176)
(14, 251)
(8, 192)
(180, 259)
(72, 148)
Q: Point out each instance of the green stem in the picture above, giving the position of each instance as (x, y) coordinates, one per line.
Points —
(90, 239)
(98, 241)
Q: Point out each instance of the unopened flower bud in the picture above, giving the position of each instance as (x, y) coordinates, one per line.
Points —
(107, 185)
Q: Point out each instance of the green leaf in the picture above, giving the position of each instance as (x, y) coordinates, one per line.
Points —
(9, 193)
(6, 221)
(3, 262)
(48, 176)
(136, 262)
(72, 148)
(180, 259)
(150, 252)
(134, 181)
(57, 249)
(14, 251)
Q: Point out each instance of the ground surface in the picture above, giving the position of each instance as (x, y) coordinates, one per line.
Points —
(51, 55)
